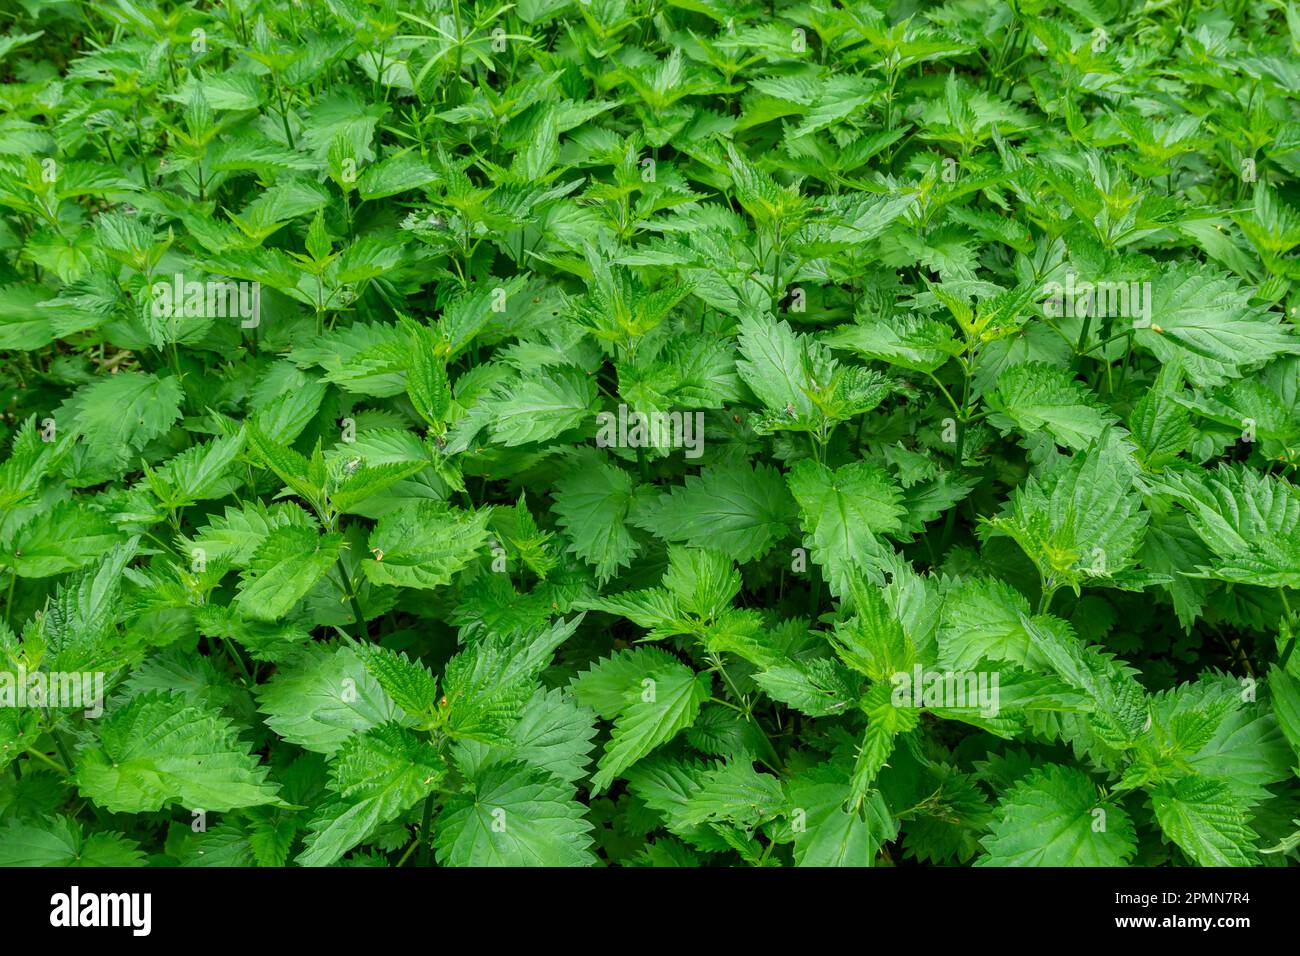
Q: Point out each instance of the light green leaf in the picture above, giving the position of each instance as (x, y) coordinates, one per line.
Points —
(423, 545)
(513, 815)
(285, 566)
(1055, 816)
(160, 750)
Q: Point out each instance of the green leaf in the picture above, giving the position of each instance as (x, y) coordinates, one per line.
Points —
(912, 342)
(1251, 522)
(606, 686)
(1056, 816)
(844, 512)
(396, 174)
(64, 538)
(735, 793)
(1200, 815)
(1037, 397)
(513, 815)
(1285, 693)
(238, 532)
(198, 473)
(825, 834)
(289, 466)
(554, 733)
(732, 508)
(285, 566)
(1205, 320)
(160, 750)
(817, 688)
(591, 504)
(375, 776)
(322, 696)
(79, 624)
(124, 412)
(666, 702)
(1081, 520)
(61, 841)
(407, 682)
(540, 407)
(423, 545)
(488, 684)
(780, 366)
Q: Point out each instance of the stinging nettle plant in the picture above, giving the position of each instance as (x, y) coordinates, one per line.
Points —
(965, 530)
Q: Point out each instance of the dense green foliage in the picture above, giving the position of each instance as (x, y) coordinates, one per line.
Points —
(966, 533)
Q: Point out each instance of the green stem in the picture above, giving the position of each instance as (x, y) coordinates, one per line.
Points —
(58, 742)
(1290, 626)
(777, 251)
(284, 115)
(9, 600)
(1045, 599)
(409, 850)
(359, 618)
(1102, 344)
(239, 662)
(1083, 338)
(726, 703)
(426, 820)
(33, 752)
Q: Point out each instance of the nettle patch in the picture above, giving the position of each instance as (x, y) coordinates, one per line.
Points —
(633, 433)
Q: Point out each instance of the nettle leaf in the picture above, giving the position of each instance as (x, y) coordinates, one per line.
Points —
(592, 502)
(375, 776)
(664, 701)
(1202, 817)
(365, 358)
(322, 696)
(285, 566)
(1161, 426)
(408, 683)
(66, 537)
(830, 835)
(540, 407)
(423, 545)
(1250, 521)
(554, 733)
(121, 414)
(1205, 320)
(61, 841)
(238, 532)
(1285, 691)
(817, 687)
(1037, 396)
(844, 512)
(31, 458)
(1051, 818)
(488, 684)
(780, 366)
(200, 472)
(1081, 520)
(294, 469)
(161, 750)
(733, 508)
(912, 342)
(736, 793)
(984, 619)
(513, 816)
(396, 174)
(1120, 709)
(606, 686)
